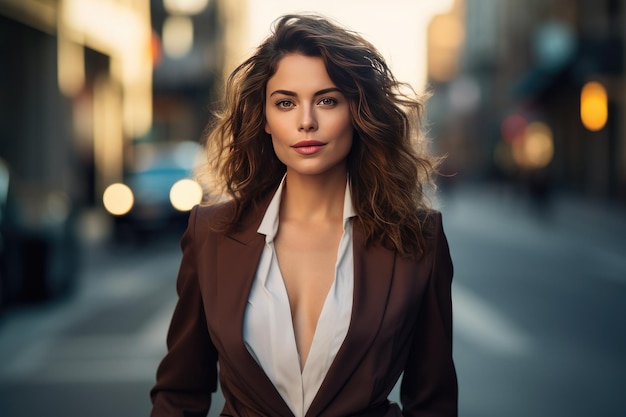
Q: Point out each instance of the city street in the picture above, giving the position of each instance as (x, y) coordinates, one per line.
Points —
(539, 303)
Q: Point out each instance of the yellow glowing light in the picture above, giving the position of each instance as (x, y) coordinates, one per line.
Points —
(177, 36)
(594, 110)
(185, 194)
(538, 145)
(535, 148)
(118, 199)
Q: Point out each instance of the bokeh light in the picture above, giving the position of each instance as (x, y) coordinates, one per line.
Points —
(118, 199)
(524, 145)
(177, 36)
(593, 106)
(185, 194)
(538, 145)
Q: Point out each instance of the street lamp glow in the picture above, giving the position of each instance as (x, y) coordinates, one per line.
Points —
(177, 36)
(594, 110)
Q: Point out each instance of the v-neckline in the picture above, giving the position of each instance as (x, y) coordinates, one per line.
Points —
(325, 343)
(316, 333)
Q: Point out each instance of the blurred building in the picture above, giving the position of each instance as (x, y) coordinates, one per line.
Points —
(88, 90)
(538, 98)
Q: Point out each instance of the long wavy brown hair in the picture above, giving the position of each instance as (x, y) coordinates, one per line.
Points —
(387, 166)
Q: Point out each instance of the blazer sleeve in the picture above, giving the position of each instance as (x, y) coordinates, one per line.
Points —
(429, 384)
(187, 375)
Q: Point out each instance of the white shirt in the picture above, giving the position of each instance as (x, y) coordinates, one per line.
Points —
(268, 328)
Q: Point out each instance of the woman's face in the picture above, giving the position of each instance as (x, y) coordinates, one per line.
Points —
(308, 117)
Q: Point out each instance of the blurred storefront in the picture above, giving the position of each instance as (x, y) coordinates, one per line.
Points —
(539, 96)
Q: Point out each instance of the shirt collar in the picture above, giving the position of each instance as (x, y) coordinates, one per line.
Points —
(269, 224)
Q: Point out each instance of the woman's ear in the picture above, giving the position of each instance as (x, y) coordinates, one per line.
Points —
(267, 128)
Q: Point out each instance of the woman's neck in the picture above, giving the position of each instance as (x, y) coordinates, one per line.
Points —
(313, 198)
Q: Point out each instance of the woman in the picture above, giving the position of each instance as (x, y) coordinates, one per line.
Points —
(325, 277)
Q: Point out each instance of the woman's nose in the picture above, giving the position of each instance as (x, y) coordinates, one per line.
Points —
(308, 120)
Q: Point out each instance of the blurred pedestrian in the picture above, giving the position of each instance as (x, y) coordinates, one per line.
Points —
(325, 276)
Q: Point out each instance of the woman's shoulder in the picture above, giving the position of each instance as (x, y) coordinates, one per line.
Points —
(431, 222)
(216, 214)
(432, 230)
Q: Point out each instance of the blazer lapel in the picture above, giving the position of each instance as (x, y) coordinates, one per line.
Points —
(373, 273)
(237, 258)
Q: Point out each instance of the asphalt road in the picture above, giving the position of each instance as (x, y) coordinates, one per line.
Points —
(539, 300)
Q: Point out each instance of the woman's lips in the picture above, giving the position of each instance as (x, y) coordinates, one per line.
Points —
(308, 147)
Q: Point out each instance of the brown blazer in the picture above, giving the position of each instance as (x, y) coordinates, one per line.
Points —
(401, 323)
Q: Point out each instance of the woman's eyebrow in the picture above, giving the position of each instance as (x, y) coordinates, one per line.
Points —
(317, 93)
(284, 92)
(328, 90)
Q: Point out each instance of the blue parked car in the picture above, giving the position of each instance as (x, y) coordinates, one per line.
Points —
(158, 193)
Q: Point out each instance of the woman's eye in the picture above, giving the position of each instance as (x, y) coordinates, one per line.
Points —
(328, 101)
(284, 104)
